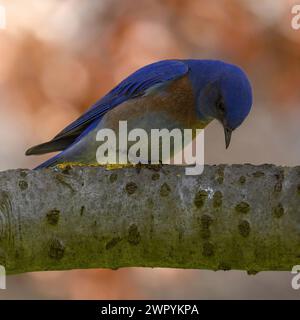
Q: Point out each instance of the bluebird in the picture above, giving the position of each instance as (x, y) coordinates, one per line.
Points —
(166, 94)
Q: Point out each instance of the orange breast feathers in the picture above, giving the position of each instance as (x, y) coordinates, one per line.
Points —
(170, 106)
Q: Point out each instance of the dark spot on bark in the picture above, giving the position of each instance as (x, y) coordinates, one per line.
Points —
(217, 199)
(53, 217)
(258, 174)
(244, 228)
(155, 176)
(200, 198)
(23, 185)
(298, 189)
(242, 207)
(242, 180)
(278, 211)
(252, 272)
(82, 209)
(208, 249)
(131, 187)
(113, 242)
(113, 177)
(56, 249)
(134, 236)
(164, 190)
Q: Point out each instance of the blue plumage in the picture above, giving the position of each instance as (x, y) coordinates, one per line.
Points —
(133, 86)
(218, 90)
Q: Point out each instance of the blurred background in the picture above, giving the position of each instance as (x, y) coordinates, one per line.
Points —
(57, 57)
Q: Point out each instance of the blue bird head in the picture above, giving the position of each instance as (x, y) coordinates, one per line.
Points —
(224, 93)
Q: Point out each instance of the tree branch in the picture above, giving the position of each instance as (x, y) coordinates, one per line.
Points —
(231, 217)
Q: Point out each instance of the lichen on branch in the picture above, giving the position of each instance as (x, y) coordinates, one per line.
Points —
(230, 217)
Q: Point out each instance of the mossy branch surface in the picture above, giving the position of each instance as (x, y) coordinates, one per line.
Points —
(230, 217)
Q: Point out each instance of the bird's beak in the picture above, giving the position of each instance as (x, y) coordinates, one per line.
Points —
(227, 133)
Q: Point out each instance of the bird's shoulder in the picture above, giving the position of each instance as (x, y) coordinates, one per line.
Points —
(138, 84)
(174, 101)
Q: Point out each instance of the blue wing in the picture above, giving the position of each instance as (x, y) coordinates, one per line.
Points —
(132, 87)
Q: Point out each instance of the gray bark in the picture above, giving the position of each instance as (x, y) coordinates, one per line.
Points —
(230, 217)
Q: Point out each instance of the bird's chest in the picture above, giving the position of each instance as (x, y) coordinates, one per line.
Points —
(169, 108)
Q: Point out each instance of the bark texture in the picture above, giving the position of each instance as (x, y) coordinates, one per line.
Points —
(230, 217)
